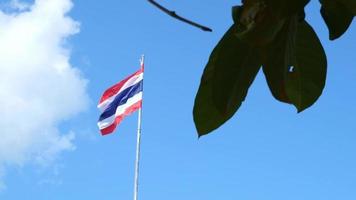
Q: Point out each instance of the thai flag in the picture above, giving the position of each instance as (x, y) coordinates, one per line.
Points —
(120, 100)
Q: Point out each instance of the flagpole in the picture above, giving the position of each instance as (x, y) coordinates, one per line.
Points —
(138, 143)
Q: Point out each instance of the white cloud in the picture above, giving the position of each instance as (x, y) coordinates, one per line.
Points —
(39, 88)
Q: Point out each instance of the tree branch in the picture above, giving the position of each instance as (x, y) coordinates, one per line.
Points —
(174, 15)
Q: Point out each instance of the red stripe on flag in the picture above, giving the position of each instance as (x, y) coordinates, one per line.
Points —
(116, 88)
(119, 118)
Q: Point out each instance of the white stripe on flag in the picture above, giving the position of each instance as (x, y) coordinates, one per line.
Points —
(132, 81)
(119, 111)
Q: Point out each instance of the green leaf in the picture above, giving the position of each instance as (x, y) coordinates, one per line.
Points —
(295, 65)
(229, 73)
(337, 17)
(306, 81)
(350, 5)
(277, 59)
(236, 13)
(286, 8)
(256, 23)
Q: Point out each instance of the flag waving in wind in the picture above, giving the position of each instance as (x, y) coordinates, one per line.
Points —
(120, 100)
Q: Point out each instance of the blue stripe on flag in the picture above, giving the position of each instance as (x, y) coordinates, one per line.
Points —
(121, 99)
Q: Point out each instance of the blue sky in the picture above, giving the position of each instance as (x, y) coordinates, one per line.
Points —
(265, 152)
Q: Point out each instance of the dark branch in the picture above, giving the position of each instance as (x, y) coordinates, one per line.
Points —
(174, 15)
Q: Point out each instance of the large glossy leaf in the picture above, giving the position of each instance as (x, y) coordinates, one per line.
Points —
(337, 17)
(306, 81)
(286, 8)
(259, 22)
(229, 73)
(277, 59)
(236, 13)
(350, 4)
(256, 23)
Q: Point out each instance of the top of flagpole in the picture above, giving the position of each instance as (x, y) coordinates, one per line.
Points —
(142, 60)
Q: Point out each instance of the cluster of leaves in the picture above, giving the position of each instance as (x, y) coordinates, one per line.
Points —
(274, 35)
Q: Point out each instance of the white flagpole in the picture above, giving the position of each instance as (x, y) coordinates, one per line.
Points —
(138, 143)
